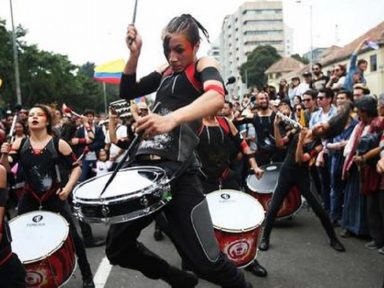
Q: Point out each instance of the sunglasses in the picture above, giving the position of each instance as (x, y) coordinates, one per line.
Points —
(307, 99)
(299, 109)
(320, 98)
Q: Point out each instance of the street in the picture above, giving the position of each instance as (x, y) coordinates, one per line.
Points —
(299, 257)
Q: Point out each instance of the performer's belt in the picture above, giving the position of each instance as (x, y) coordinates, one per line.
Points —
(5, 254)
(151, 157)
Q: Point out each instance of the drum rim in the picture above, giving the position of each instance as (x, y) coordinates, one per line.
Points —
(162, 177)
(55, 249)
(277, 164)
(245, 229)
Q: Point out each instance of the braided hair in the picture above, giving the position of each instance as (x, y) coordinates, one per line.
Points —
(188, 25)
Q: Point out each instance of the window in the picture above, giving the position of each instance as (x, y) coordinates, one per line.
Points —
(373, 62)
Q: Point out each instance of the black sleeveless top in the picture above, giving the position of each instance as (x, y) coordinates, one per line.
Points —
(174, 90)
(264, 132)
(216, 151)
(290, 158)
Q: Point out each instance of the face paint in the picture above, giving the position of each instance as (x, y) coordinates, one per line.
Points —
(179, 51)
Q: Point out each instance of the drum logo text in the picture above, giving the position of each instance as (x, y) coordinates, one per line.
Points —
(34, 278)
(225, 196)
(37, 218)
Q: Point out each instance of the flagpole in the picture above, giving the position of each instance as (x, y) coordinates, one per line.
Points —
(105, 98)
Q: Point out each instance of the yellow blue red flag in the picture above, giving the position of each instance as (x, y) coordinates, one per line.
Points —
(109, 72)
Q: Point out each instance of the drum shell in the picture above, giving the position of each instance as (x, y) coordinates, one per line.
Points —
(54, 270)
(237, 219)
(49, 261)
(240, 248)
(263, 189)
(112, 207)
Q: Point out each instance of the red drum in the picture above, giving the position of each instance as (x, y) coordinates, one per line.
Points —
(263, 189)
(237, 219)
(41, 240)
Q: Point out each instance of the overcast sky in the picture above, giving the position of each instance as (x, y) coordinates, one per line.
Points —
(94, 30)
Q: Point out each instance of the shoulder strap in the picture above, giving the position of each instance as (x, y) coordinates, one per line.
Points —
(190, 72)
(24, 145)
(224, 124)
(53, 147)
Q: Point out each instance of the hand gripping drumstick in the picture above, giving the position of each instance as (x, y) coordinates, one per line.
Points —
(133, 20)
(66, 109)
(133, 144)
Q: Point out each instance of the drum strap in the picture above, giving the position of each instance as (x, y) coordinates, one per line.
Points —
(44, 197)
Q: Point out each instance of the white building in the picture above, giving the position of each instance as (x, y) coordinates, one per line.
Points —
(253, 24)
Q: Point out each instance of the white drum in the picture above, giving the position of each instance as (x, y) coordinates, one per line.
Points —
(237, 218)
(133, 193)
(42, 241)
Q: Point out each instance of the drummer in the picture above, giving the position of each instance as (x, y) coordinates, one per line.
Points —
(188, 89)
(39, 157)
(12, 272)
(304, 146)
(219, 144)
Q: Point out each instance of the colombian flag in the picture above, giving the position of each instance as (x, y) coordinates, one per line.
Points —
(109, 72)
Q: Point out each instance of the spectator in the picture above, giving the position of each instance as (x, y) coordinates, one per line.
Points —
(319, 79)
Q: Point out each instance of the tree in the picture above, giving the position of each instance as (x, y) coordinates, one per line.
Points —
(47, 77)
(252, 71)
(299, 58)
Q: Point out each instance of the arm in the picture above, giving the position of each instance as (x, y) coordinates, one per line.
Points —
(244, 148)
(129, 87)
(66, 151)
(207, 104)
(8, 150)
(276, 131)
(3, 197)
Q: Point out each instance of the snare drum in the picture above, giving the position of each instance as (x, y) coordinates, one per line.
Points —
(135, 192)
(42, 241)
(237, 219)
(263, 189)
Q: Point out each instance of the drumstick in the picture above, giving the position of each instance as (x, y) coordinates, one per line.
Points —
(10, 136)
(133, 144)
(133, 20)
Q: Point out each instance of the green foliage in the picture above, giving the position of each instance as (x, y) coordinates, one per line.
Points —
(252, 71)
(47, 77)
(299, 58)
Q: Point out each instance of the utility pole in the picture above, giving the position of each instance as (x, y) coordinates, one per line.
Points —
(15, 58)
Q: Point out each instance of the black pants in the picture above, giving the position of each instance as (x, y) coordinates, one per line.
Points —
(54, 204)
(12, 273)
(298, 177)
(325, 181)
(375, 211)
(189, 227)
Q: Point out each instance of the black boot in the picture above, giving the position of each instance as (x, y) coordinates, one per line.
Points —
(180, 279)
(256, 269)
(264, 243)
(88, 283)
(336, 244)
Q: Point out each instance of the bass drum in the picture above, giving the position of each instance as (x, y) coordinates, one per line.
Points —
(263, 189)
(43, 244)
(237, 218)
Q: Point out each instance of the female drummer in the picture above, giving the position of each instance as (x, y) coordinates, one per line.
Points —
(220, 142)
(188, 89)
(12, 273)
(39, 158)
(294, 172)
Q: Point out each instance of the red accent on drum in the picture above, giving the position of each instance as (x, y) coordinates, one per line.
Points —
(240, 248)
(54, 270)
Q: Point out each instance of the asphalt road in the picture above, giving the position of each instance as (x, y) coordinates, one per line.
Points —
(299, 257)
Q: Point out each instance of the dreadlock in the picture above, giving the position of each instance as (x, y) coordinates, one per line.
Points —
(188, 25)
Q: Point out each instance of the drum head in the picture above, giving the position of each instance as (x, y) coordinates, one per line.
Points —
(234, 211)
(127, 181)
(268, 182)
(37, 234)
